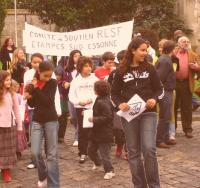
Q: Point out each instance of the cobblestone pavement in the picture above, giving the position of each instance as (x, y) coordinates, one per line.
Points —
(179, 167)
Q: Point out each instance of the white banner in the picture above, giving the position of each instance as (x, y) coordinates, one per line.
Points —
(94, 41)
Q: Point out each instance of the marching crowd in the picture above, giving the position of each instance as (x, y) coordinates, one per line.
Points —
(38, 99)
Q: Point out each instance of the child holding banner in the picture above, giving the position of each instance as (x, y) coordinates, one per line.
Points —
(81, 95)
(137, 76)
(101, 135)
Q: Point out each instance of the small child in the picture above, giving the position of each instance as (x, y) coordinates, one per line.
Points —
(101, 135)
(117, 127)
(63, 90)
(9, 108)
(21, 138)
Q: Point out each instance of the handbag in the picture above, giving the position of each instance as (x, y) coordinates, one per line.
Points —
(21, 142)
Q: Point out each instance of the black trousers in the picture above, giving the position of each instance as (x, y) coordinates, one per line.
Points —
(83, 133)
(165, 114)
(119, 137)
(184, 101)
(99, 153)
(62, 120)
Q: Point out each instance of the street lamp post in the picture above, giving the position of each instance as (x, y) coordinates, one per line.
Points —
(15, 3)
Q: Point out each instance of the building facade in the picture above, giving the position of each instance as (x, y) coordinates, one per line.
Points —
(22, 17)
(189, 11)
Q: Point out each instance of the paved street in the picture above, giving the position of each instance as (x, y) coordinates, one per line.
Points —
(179, 167)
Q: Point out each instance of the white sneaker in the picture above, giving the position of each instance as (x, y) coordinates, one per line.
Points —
(82, 159)
(75, 144)
(31, 166)
(109, 175)
(42, 184)
(95, 167)
(171, 137)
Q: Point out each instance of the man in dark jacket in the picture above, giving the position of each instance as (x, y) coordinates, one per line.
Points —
(165, 70)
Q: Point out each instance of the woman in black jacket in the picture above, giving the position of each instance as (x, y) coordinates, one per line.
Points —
(6, 53)
(41, 96)
(101, 135)
(136, 76)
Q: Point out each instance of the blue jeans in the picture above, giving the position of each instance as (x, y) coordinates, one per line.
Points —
(49, 131)
(72, 112)
(30, 113)
(165, 115)
(140, 135)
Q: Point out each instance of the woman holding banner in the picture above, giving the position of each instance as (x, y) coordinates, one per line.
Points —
(136, 76)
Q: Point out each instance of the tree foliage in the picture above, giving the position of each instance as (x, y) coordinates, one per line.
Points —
(2, 16)
(70, 15)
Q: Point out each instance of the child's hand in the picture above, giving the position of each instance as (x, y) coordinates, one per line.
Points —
(34, 82)
(124, 107)
(27, 96)
(66, 85)
(150, 103)
(89, 101)
(90, 119)
(82, 103)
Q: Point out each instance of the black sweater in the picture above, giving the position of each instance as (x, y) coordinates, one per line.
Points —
(18, 72)
(43, 103)
(102, 132)
(5, 57)
(145, 83)
(165, 70)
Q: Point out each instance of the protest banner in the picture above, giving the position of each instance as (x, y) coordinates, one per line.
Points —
(93, 41)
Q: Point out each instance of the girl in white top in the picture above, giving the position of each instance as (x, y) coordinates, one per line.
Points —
(81, 94)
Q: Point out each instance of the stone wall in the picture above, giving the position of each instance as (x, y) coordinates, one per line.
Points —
(189, 11)
(22, 17)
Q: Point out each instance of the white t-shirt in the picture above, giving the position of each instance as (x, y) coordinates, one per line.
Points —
(82, 89)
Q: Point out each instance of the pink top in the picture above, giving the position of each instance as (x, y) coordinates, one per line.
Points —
(10, 106)
(183, 72)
